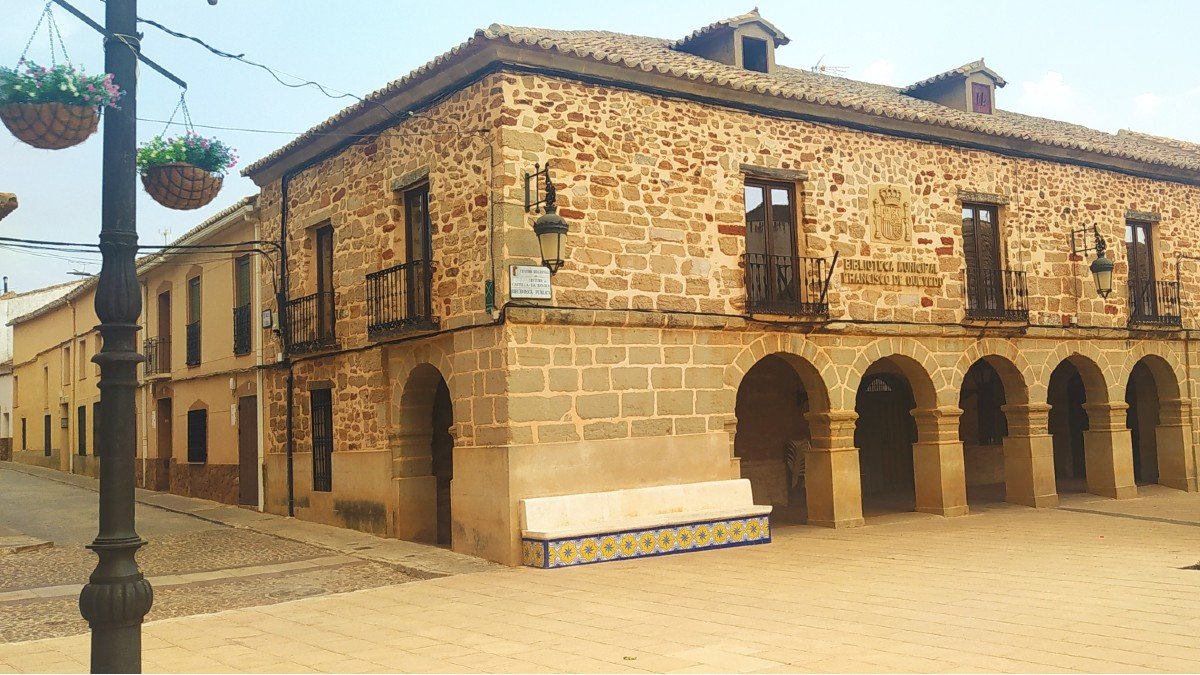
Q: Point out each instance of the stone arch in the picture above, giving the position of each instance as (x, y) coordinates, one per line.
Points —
(1158, 421)
(1006, 358)
(994, 400)
(774, 407)
(812, 364)
(929, 382)
(1168, 372)
(1088, 359)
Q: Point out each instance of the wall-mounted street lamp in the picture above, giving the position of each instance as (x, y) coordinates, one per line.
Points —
(550, 228)
(1102, 266)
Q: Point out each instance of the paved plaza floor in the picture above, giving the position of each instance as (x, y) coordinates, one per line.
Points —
(1097, 586)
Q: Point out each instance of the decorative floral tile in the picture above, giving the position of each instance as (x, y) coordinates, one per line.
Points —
(625, 545)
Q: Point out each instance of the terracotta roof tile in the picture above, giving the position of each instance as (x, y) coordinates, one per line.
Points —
(965, 69)
(658, 55)
(733, 22)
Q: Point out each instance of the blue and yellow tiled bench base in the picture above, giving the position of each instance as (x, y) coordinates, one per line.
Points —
(701, 536)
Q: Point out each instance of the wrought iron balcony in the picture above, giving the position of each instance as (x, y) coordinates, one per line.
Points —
(193, 344)
(399, 299)
(309, 322)
(157, 351)
(1154, 302)
(777, 284)
(997, 295)
(241, 329)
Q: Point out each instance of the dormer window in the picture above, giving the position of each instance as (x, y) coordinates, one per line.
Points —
(981, 98)
(754, 54)
(747, 41)
(970, 87)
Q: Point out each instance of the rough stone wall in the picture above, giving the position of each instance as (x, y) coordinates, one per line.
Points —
(652, 188)
(353, 192)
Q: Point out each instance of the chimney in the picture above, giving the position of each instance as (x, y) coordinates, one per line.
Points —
(5, 286)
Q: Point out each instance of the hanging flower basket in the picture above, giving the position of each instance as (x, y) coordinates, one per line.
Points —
(181, 186)
(53, 108)
(184, 172)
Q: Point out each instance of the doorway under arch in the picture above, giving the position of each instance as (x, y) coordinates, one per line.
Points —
(884, 435)
(990, 384)
(1067, 423)
(1141, 418)
(773, 433)
(424, 458)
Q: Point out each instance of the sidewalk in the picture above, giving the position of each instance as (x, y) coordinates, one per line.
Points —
(418, 560)
(1102, 587)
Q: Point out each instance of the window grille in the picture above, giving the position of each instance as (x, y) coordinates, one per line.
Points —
(322, 439)
(197, 436)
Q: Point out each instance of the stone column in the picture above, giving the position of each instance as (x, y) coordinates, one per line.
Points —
(832, 481)
(938, 469)
(1176, 464)
(1029, 456)
(1108, 451)
(735, 462)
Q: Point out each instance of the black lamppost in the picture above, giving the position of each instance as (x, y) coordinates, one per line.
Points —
(117, 596)
(1102, 266)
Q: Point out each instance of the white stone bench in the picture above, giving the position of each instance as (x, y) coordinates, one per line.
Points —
(601, 526)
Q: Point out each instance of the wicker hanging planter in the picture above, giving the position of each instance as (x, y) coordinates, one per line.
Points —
(50, 126)
(181, 186)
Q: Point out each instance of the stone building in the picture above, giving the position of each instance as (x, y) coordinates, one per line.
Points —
(198, 413)
(863, 298)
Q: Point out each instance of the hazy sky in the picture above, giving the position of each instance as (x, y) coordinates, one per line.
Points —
(1107, 65)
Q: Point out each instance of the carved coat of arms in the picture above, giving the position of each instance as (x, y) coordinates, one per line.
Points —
(890, 219)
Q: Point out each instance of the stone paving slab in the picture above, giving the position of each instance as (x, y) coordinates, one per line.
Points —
(1009, 590)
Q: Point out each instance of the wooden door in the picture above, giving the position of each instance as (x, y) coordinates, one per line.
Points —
(46, 436)
(248, 450)
(981, 246)
(1140, 253)
(884, 435)
(772, 272)
(325, 306)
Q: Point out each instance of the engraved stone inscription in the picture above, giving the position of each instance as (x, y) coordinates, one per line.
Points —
(870, 272)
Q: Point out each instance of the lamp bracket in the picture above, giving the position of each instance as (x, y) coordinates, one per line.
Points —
(1079, 241)
(539, 191)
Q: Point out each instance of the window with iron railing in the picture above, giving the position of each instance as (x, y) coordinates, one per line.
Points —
(399, 299)
(997, 295)
(157, 352)
(993, 293)
(309, 322)
(1154, 302)
(777, 284)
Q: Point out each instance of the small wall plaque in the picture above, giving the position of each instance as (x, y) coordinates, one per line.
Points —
(529, 282)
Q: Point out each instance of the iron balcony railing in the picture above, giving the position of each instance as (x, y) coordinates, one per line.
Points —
(157, 351)
(399, 299)
(997, 295)
(241, 329)
(777, 284)
(193, 343)
(309, 322)
(1154, 302)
